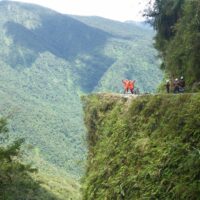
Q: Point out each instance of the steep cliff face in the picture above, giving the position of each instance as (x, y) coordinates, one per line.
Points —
(142, 148)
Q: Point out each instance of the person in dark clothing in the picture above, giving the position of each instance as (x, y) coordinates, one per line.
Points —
(176, 86)
(167, 85)
(181, 84)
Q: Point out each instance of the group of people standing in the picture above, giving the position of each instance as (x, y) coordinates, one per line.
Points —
(128, 85)
(178, 85)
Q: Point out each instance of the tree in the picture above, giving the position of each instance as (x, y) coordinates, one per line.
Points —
(11, 166)
(183, 50)
(163, 15)
(177, 23)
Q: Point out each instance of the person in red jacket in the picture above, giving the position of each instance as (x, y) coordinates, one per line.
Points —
(126, 85)
(131, 86)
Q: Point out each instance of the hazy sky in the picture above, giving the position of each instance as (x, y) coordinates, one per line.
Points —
(113, 9)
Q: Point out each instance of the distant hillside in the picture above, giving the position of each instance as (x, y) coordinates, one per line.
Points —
(47, 60)
(131, 48)
(144, 147)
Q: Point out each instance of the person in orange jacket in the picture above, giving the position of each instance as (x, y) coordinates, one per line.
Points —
(131, 86)
(126, 85)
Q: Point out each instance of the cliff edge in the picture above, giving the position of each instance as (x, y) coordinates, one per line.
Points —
(142, 148)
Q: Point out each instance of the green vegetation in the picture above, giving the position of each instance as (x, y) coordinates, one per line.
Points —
(12, 171)
(177, 38)
(142, 148)
(47, 60)
(148, 147)
(19, 180)
(131, 50)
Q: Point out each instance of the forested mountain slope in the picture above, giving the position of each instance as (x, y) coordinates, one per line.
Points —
(131, 48)
(142, 147)
(48, 59)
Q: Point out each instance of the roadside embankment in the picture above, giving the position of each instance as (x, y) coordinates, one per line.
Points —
(142, 147)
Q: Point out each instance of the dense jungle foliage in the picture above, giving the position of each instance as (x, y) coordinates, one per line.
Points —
(177, 23)
(142, 148)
